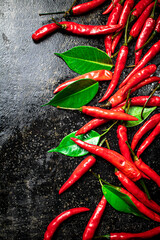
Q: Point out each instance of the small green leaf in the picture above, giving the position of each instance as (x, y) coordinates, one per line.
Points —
(75, 95)
(120, 201)
(136, 111)
(69, 148)
(83, 59)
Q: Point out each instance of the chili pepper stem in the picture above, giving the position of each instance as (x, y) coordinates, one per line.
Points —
(63, 26)
(103, 236)
(153, 11)
(141, 181)
(148, 41)
(134, 155)
(149, 99)
(79, 109)
(130, 66)
(107, 130)
(69, 10)
(50, 13)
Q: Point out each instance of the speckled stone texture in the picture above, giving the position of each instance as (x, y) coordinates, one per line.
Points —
(30, 176)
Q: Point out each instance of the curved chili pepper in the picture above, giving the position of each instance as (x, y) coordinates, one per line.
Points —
(108, 114)
(75, 28)
(112, 19)
(145, 33)
(139, 8)
(140, 101)
(141, 207)
(130, 236)
(118, 97)
(148, 125)
(86, 7)
(96, 122)
(136, 191)
(137, 26)
(120, 162)
(147, 170)
(156, 30)
(122, 138)
(52, 227)
(147, 57)
(80, 170)
(94, 220)
(99, 75)
(111, 6)
(128, 5)
(149, 139)
(139, 77)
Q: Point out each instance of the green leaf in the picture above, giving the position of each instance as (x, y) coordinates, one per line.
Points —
(76, 94)
(136, 111)
(69, 148)
(120, 201)
(83, 59)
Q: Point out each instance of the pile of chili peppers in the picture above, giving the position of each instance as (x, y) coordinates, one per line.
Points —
(141, 18)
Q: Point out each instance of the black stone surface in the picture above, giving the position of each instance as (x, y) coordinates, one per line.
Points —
(30, 176)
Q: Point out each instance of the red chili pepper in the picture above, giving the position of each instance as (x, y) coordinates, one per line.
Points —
(149, 139)
(111, 7)
(156, 30)
(137, 26)
(94, 220)
(147, 170)
(96, 122)
(128, 5)
(86, 7)
(147, 57)
(108, 114)
(75, 28)
(130, 236)
(141, 207)
(99, 75)
(139, 8)
(139, 77)
(122, 138)
(80, 170)
(52, 227)
(120, 162)
(118, 97)
(140, 101)
(136, 191)
(145, 33)
(112, 19)
(148, 125)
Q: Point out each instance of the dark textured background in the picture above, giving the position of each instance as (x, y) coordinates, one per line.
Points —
(31, 177)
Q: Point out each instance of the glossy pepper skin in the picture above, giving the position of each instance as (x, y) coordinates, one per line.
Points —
(108, 114)
(152, 52)
(148, 125)
(141, 207)
(139, 76)
(113, 157)
(130, 236)
(122, 138)
(112, 19)
(80, 170)
(94, 220)
(137, 26)
(52, 227)
(149, 139)
(140, 101)
(140, 7)
(86, 7)
(145, 33)
(156, 30)
(110, 7)
(96, 122)
(118, 97)
(119, 66)
(128, 5)
(74, 28)
(147, 170)
(136, 191)
(99, 75)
